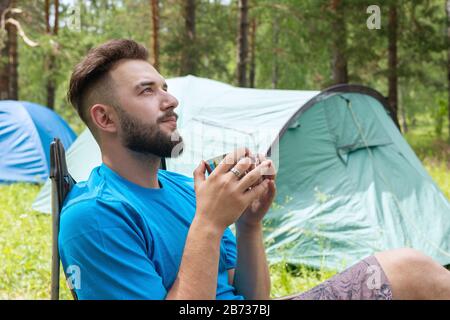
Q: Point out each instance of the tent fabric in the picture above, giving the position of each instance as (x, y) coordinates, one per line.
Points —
(332, 210)
(348, 183)
(215, 117)
(26, 130)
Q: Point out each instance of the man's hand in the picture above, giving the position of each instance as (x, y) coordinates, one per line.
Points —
(252, 279)
(223, 197)
(255, 212)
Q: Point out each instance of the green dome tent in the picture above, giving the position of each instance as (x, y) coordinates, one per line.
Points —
(348, 183)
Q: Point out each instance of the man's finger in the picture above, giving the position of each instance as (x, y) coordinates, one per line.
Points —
(243, 165)
(199, 173)
(255, 175)
(272, 189)
(270, 173)
(257, 191)
(230, 160)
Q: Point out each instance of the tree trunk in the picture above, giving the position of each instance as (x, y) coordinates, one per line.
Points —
(447, 8)
(155, 35)
(13, 59)
(8, 58)
(242, 44)
(339, 60)
(188, 62)
(50, 64)
(252, 54)
(47, 16)
(56, 23)
(4, 72)
(51, 88)
(275, 41)
(392, 63)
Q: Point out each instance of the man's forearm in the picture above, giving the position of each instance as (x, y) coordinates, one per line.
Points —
(197, 276)
(252, 278)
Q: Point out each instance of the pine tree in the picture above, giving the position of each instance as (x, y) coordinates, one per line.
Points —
(242, 44)
(338, 27)
(51, 57)
(155, 33)
(189, 56)
(392, 63)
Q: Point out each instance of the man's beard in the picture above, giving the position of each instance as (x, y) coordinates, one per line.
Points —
(149, 139)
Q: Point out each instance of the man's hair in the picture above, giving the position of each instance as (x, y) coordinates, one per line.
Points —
(91, 73)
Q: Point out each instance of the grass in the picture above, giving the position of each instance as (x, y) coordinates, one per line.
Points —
(287, 279)
(25, 235)
(434, 154)
(25, 245)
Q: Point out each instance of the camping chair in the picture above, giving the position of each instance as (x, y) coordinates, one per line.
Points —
(62, 183)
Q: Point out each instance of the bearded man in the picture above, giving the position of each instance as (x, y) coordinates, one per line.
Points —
(136, 232)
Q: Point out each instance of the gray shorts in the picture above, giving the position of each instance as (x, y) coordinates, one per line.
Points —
(365, 280)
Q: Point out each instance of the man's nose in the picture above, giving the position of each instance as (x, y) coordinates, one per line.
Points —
(170, 101)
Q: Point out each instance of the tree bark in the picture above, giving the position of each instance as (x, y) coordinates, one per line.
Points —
(13, 61)
(242, 44)
(56, 23)
(188, 61)
(4, 62)
(9, 57)
(50, 63)
(339, 60)
(252, 54)
(447, 9)
(392, 63)
(155, 35)
(51, 88)
(47, 16)
(275, 42)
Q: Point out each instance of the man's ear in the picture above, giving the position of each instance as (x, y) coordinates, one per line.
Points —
(104, 117)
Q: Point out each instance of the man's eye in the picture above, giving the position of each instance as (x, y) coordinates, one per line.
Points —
(148, 90)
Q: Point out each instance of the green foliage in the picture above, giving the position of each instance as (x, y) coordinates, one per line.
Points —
(293, 46)
(288, 279)
(439, 117)
(433, 151)
(214, 45)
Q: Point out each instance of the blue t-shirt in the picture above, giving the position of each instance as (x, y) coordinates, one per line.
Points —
(125, 241)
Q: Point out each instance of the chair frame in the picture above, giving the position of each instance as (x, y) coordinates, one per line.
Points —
(62, 183)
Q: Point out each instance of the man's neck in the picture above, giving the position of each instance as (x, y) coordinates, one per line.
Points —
(135, 167)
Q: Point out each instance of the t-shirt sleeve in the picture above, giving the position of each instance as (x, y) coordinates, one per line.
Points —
(105, 253)
(230, 247)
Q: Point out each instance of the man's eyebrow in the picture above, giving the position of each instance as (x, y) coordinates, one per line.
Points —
(150, 83)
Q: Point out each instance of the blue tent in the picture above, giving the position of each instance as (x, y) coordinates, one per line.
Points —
(26, 130)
